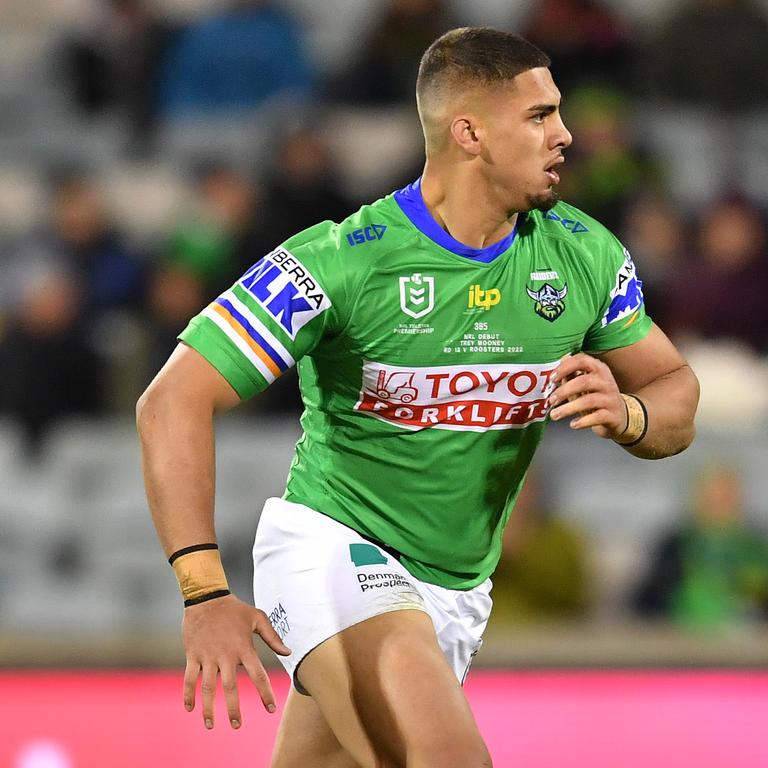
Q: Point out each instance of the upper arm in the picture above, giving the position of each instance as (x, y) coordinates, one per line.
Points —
(280, 310)
(187, 377)
(637, 365)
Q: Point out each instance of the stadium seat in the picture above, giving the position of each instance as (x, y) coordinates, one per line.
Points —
(252, 462)
(235, 139)
(144, 200)
(373, 147)
(77, 522)
(40, 14)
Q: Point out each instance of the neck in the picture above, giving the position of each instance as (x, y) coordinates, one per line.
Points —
(465, 205)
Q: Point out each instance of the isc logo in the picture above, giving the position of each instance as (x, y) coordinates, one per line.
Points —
(366, 234)
(483, 299)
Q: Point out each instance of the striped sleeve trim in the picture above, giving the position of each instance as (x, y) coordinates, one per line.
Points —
(257, 331)
(204, 336)
(258, 326)
(235, 332)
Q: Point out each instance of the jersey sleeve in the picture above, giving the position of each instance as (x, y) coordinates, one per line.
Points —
(276, 313)
(622, 320)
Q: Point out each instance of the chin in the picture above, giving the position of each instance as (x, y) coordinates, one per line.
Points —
(543, 202)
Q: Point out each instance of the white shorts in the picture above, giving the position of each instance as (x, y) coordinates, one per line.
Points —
(314, 577)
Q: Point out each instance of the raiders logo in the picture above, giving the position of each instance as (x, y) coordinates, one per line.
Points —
(548, 301)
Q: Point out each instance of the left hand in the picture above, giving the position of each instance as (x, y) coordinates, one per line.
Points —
(586, 389)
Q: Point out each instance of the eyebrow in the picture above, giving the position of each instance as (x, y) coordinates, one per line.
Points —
(547, 109)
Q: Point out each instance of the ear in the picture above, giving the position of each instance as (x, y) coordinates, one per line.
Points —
(464, 130)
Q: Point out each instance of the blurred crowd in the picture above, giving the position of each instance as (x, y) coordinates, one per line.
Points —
(670, 125)
(707, 572)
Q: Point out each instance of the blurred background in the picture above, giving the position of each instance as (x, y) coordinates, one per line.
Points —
(151, 150)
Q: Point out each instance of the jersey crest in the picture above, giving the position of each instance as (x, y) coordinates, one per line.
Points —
(548, 301)
(417, 295)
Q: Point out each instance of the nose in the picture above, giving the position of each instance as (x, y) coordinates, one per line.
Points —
(561, 136)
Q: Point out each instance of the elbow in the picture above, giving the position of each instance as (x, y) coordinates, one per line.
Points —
(686, 432)
(690, 391)
(678, 429)
(666, 447)
(685, 439)
(689, 430)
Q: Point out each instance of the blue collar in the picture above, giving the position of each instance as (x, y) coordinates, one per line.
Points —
(412, 204)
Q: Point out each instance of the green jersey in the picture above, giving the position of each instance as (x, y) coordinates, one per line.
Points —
(424, 365)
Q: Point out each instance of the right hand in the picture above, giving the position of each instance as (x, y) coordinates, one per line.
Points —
(218, 637)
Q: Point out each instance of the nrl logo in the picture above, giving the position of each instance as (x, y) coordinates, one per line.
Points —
(417, 295)
(549, 301)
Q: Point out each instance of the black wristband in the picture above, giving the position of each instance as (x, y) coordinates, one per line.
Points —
(186, 550)
(205, 598)
(645, 425)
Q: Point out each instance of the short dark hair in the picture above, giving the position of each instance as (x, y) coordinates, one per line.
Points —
(476, 55)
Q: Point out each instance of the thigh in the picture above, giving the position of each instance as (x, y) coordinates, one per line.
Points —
(314, 577)
(305, 738)
(391, 698)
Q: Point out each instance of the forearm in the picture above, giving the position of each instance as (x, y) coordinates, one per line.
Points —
(177, 445)
(175, 423)
(670, 401)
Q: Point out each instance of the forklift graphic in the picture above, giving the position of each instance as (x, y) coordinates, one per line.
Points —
(397, 387)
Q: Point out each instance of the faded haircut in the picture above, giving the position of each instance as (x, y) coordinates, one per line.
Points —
(473, 56)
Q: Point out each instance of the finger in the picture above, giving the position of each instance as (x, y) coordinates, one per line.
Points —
(569, 365)
(264, 628)
(588, 382)
(229, 686)
(255, 670)
(600, 418)
(190, 683)
(579, 406)
(208, 690)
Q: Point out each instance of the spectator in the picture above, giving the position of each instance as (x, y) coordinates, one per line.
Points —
(234, 61)
(542, 574)
(175, 294)
(721, 292)
(116, 66)
(587, 42)
(79, 240)
(655, 234)
(179, 288)
(233, 205)
(385, 70)
(605, 166)
(48, 369)
(201, 257)
(302, 189)
(713, 571)
(83, 238)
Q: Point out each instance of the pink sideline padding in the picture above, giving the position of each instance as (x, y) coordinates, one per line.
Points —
(531, 719)
(623, 719)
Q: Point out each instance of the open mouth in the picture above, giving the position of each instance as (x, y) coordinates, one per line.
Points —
(550, 171)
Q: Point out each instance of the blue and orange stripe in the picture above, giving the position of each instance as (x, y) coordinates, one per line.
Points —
(250, 336)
